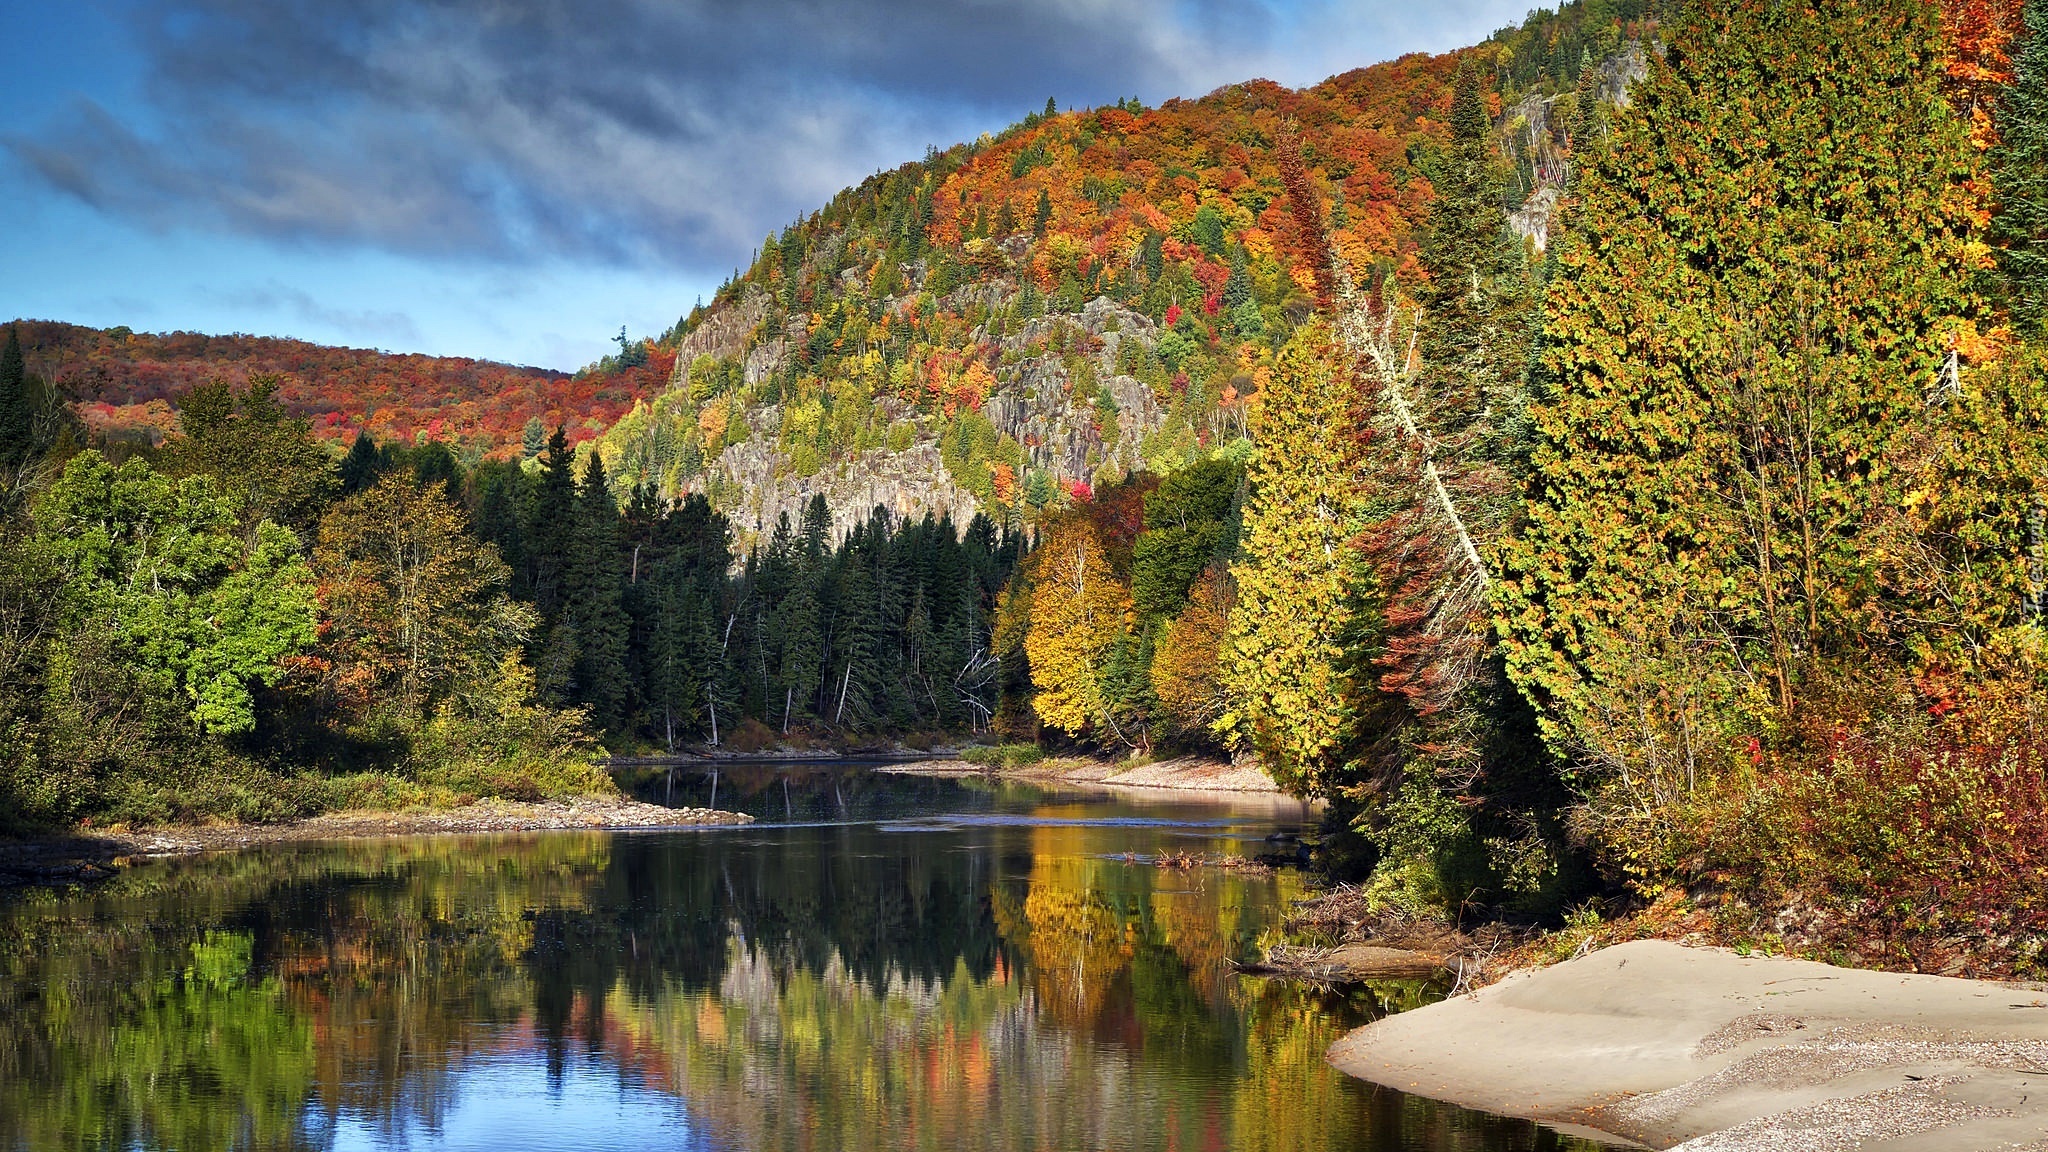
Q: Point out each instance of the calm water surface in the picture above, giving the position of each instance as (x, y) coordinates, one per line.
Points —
(900, 963)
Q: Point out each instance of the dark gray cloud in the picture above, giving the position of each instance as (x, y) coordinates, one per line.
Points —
(630, 131)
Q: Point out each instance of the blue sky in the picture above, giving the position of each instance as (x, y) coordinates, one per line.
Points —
(515, 179)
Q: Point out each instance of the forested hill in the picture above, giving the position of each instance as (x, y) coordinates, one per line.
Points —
(124, 385)
(1090, 293)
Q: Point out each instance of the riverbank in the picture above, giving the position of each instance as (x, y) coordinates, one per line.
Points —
(1671, 1046)
(1182, 773)
(94, 855)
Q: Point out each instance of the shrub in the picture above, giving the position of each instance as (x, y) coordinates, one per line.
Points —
(1929, 853)
(1003, 755)
(749, 737)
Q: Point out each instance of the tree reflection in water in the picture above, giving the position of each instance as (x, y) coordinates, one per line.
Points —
(993, 984)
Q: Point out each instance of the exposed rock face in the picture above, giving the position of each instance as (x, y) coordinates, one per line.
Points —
(909, 484)
(1626, 66)
(1528, 125)
(1532, 220)
(722, 334)
(1062, 432)
(1034, 402)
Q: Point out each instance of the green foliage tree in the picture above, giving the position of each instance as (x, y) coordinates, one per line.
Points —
(417, 606)
(264, 461)
(1208, 230)
(361, 467)
(550, 524)
(592, 589)
(200, 613)
(1187, 528)
(1745, 332)
(1476, 302)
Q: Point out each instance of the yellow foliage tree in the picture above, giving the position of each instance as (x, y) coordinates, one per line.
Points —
(1078, 611)
(1287, 643)
(1186, 666)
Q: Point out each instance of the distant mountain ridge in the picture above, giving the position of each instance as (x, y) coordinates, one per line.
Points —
(124, 385)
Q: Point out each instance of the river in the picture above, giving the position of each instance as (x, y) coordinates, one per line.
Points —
(884, 962)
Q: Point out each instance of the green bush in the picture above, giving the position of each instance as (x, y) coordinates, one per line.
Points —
(1003, 755)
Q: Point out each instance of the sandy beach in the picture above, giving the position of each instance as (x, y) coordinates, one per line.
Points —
(1659, 1045)
(1181, 773)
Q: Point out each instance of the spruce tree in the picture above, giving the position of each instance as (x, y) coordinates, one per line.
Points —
(550, 526)
(803, 641)
(500, 489)
(2020, 174)
(1238, 289)
(681, 651)
(593, 599)
(360, 468)
(814, 529)
(17, 412)
(1586, 118)
(1476, 301)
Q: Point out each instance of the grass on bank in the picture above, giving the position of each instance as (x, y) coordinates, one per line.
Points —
(1003, 756)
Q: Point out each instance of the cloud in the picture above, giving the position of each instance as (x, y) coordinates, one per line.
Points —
(274, 297)
(660, 133)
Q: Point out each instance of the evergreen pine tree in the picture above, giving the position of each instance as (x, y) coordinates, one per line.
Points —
(1586, 117)
(1152, 257)
(550, 527)
(17, 411)
(593, 599)
(681, 647)
(498, 500)
(2020, 173)
(1042, 216)
(803, 641)
(360, 468)
(814, 529)
(1476, 301)
(1238, 289)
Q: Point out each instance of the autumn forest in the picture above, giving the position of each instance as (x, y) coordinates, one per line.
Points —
(1547, 453)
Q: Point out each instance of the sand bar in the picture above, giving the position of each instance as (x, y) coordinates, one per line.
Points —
(95, 855)
(1669, 1046)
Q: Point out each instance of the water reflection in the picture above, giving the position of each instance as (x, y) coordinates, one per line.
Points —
(992, 975)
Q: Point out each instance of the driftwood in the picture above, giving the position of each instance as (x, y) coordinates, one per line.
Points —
(1347, 964)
